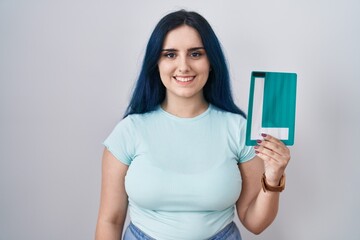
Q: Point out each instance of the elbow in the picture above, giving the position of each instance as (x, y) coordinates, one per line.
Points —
(255, 225)
(257, 230)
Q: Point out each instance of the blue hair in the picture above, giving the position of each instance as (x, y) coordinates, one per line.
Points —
(149, 91)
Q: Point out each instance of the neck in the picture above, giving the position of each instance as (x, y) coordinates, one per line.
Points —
(185, 109)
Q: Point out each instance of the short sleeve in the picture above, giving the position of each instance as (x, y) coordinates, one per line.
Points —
(121, 141)
(246, 153)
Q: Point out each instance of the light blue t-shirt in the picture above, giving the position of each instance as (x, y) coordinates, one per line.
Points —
(183, 179)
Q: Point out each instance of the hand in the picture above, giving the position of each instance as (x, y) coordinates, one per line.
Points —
(276, 156)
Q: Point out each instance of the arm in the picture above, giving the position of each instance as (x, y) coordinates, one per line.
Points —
(114, 200)
(257, 209)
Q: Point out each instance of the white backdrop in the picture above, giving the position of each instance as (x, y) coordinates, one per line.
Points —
(67, 69)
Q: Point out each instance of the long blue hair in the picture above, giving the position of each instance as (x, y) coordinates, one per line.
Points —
(149, 91)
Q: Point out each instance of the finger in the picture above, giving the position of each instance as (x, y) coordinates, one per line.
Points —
(270, 138)
(273, 167)
(273, 151)
(274, 146)
(267, 154)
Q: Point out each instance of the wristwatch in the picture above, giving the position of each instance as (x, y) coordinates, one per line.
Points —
(267, 187)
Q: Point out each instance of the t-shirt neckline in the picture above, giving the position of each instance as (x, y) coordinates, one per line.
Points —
(183, 119)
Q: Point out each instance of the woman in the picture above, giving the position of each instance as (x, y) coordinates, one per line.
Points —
(178, 159)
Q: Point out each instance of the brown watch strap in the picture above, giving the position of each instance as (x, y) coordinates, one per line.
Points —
(267, 187)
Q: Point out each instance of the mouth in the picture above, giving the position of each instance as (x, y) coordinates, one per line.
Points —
(184, 79)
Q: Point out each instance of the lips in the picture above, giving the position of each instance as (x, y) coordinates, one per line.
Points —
(184, 79)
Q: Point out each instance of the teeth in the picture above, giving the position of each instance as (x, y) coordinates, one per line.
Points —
(184, 79)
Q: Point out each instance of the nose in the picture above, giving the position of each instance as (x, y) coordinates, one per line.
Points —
(183, 65)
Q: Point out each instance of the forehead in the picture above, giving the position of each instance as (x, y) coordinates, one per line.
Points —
(183, 37)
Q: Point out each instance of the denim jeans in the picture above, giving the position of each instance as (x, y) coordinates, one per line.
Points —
(230, 232)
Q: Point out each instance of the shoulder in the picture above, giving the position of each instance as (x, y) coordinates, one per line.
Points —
(137, 120)
(229, 117)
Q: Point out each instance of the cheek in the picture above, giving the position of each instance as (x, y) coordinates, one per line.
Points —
(165, 68)
(205, 71)
(202, 67)
(165, 72)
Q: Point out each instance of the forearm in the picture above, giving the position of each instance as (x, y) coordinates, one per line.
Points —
(261, 212)
(106, 230)
(257, 208)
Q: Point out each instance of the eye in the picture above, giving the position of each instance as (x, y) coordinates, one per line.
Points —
(170, 55)
(196, 54)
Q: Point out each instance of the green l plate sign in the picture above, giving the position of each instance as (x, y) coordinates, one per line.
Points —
(272, 103)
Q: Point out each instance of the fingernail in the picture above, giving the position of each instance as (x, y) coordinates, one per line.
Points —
(256, 147)
(263, 134)
(258, 141)
(256, 152)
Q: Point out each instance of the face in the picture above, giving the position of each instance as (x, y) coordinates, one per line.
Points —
(183, 64)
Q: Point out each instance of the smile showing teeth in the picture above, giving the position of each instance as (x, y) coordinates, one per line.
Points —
(184, 79)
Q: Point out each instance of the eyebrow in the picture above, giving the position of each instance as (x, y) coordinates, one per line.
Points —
(175, 50)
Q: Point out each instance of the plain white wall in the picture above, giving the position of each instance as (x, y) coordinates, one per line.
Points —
(67, 69)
